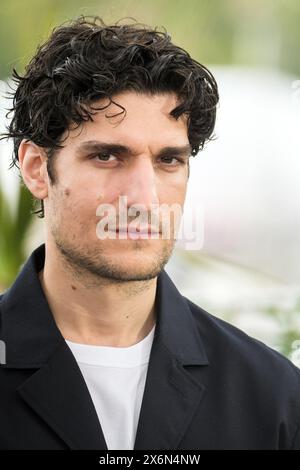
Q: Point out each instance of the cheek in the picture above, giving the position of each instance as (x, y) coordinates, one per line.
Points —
(174, 192)
(79, 201)
(69, 205)
(91, 188)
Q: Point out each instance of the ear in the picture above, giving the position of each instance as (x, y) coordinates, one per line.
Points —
(33, 167)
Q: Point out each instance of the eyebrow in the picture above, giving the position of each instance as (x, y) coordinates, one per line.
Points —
(119, 149)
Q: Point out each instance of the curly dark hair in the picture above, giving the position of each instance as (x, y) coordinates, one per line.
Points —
(86, 60)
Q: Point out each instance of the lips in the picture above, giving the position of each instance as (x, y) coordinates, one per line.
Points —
(138, 230)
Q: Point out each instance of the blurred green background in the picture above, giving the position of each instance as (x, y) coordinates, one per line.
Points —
(215, 31)
(224, 33)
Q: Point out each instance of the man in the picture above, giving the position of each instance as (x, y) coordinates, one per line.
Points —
(102, 351)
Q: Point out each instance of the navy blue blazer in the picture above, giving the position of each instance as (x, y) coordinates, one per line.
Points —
(208, 385)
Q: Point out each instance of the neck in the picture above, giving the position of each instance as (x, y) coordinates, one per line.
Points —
(106, 313)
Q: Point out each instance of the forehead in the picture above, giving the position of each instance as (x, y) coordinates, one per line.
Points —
(135, 119)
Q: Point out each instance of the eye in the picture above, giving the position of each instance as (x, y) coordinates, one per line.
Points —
(103, 157)
(168, 160)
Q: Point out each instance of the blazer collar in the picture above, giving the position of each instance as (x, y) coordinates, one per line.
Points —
(31, 335)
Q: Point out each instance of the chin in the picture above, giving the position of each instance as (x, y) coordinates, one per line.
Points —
(139, 270)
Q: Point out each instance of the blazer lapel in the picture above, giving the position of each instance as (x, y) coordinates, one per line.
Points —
(172, 394)
(58, 393)
(169, 403)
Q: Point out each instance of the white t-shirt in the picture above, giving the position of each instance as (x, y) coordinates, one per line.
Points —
(116, 379)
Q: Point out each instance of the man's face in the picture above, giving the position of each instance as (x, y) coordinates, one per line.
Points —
(112, 157)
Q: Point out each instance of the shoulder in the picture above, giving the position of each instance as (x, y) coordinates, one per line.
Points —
(227, 344)
(251, 374)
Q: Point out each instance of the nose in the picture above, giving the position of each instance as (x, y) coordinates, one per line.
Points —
(140, 184)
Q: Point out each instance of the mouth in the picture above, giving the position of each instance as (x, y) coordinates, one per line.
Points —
(136, 231)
